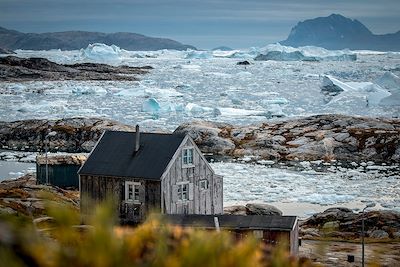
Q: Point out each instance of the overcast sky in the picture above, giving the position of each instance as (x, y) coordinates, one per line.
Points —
(202, 23)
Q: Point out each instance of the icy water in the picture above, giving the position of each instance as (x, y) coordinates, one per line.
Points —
(181, 89)
(12, 170)
(184, 86)
(309, 190)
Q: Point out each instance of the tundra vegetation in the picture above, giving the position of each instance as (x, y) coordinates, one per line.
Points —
(61, 240)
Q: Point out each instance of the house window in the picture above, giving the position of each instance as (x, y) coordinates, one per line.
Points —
(132, 191)
(187, 156)
(259, 234)
(183, 191)
(203, 184)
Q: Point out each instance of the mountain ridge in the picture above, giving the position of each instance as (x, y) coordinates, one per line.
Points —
(339, 32)
(73, 40)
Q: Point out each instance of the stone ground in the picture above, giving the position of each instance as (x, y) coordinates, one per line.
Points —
(333, 253)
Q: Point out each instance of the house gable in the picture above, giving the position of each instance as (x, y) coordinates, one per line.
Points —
(197, 179)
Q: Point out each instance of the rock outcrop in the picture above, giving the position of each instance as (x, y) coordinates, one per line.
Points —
(343, 223)
(252, 209)
(23, 197)
(320, 137)
(14, 69)
(5, 51)
(68, 135)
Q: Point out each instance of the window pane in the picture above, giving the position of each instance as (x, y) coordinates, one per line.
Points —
(185, 192)
(190, 156)
(130, 191)
(136, 193)
(180, 192)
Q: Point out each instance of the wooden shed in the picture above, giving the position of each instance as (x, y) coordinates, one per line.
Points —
(59, 170)
(271, 229)
(149, 171)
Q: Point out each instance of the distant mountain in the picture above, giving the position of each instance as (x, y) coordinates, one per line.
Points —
(339, 32)
(72, 40)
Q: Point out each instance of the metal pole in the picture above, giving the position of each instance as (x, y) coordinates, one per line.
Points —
(47, 165)
(362, 238)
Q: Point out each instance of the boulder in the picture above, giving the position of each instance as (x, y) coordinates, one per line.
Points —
(235, 210)
(379, 234)
(262, 209)
(245, 62)
(252, 209)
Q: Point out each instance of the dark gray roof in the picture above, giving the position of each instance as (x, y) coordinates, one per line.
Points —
(114, 155)
(234, 222)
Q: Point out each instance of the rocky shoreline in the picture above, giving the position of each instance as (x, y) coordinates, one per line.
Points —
(321, 137)
(15, 69)
(71, 135)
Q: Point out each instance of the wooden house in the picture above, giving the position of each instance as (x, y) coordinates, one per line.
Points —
(270, 229)
(149, 171)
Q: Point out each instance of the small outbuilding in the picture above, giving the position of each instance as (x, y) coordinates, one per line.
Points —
(149, 171)
(271, 229)
(59, 170)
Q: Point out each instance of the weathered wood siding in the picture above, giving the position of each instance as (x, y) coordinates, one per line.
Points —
(294, 239)
(200, 201)
(96, 189)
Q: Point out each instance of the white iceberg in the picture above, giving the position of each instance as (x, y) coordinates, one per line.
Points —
(98, 52)
(193, 54)
(279, 52)
(389, 81)
(357, 93)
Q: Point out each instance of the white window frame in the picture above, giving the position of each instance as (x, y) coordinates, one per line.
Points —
(204, 184)
(188, 160)
(135, 195)
(180, 191)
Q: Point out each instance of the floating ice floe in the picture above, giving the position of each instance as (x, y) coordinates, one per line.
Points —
(279, 52)
(151, 105)
(88, 90)
(98, 52)
(362, 93)
(162, 92)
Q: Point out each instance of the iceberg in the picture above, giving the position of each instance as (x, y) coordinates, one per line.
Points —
(151, 105)
(279, 52)
(333, 85)
(389, 81)
(365, 93)
(98, 52)
(193, 54)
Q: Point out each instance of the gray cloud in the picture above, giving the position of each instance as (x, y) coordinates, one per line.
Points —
(205, 23)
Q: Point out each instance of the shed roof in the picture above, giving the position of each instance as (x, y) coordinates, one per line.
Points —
(235, 222)
(114, 155)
